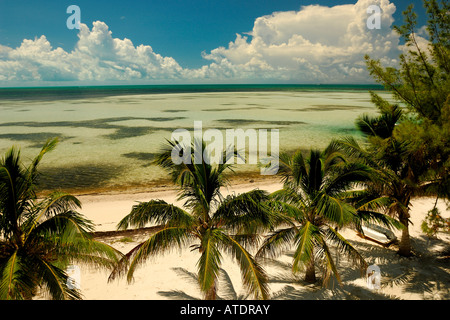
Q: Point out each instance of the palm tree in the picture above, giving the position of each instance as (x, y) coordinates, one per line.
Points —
(402, 170)
(313, 198)
(212, 222)
(39, 238)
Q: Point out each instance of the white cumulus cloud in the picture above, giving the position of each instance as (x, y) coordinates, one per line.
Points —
(314, 44)
(97, 57)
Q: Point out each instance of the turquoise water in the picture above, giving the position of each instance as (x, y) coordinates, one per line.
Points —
(108, 135)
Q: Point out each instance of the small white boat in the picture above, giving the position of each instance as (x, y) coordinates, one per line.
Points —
(378, 234)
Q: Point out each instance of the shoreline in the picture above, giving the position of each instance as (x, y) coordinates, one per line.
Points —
(162, 184)
(117, 201)
(106, 208)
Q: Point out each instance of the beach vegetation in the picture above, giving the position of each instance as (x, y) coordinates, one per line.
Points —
(400, 172)
(213, 225)
(314, 199)
(40, 238)
(435, 223)
(409, 142)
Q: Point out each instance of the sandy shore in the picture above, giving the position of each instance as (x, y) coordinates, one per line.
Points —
(424, 276)
(107, 209)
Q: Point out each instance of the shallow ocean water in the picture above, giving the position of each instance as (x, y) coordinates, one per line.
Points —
(109, 141)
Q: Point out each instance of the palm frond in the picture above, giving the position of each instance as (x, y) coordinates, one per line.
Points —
(345, 247)
(10, 281)
(366, 199)
(158, 212)
(305, 241)
(335, 210)
(49, 145)
(86, 250)
(15, 280)
(210, 259)
(333, 156)
(247, 212)
(284, 166)
(378, 218)
(351, 147)
(54, 281)
(290, 194)
(13, 192)
(57, 204)
(253, 275)
(330, 266)
(286, 213)
(161, 241)
(277, 242)
(65, 225)
(348, 175)
(299, 169)
(165, 160)
(383, 125)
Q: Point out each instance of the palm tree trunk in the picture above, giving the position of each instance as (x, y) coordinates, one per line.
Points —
(405, 241)
(310, 275)
(211, 294)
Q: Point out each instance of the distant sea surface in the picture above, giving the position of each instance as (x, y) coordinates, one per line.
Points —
(64, 93)
(109, 134)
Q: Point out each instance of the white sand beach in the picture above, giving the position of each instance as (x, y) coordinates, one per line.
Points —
(424, 276)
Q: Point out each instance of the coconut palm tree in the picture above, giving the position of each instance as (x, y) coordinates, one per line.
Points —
(313, 198)
(211, 223)
(401, 169)
(40, 238)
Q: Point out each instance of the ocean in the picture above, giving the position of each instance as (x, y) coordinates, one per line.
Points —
(109, 134)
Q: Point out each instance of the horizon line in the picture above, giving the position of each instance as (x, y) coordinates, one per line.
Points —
(195, 84)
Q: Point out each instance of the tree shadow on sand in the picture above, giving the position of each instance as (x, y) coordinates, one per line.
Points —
(226, 290)
(425, 274)
(297, 289)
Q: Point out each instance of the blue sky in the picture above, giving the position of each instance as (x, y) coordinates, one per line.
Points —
(190, 40)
